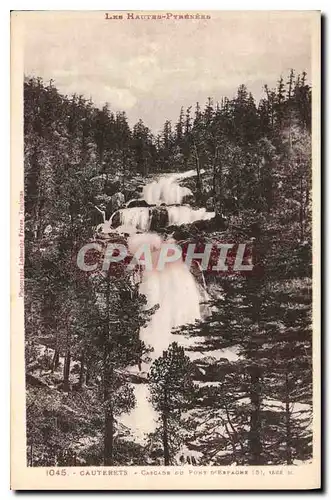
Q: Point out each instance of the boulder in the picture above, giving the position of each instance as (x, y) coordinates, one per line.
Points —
(106, 183)
(116, 221)
(159, 218)
(98, 183)
(137, 202)
(210, 204)
(185, 231)
(112, 186)
(117, 201)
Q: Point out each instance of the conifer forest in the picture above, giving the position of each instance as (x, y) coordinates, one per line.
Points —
(233, 386)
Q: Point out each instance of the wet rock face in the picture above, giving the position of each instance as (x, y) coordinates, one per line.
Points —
(112, 186)
(185, 231)
(116, 220)
(98, 184)
(137, 203)
(159, 218)
(190, 200)
(103, 184)
(180, 233)
(102, 200)
(110, 203)
(117, 201)
(217, 223)
(130, 194)
(210, 204)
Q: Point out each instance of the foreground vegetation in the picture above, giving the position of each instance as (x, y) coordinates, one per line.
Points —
(253, 407)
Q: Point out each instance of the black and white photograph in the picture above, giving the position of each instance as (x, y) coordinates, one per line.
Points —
(166, 247)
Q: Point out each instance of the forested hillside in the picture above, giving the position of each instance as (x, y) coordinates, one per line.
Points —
(253, 406)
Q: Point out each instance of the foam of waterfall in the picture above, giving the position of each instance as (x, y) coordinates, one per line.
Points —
(167, 190)
(143, 418)
(173, 288)
(186, 215)
(136, 218)
(139, 218)
(178, 296)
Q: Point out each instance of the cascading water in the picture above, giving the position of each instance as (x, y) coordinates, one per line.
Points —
(173, 288)
(165, 193)
(134, 219)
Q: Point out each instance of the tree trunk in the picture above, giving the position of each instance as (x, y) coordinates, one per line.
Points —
(218, 194)
(301, 211)
(30, 458)
(66, 371)
(165, 435)
(88, 373)
(217, 184)
(81, 371)
(108, 413)
(255, 300)
(255, 444)
(165, 439)
(198, 168)
(108, 376)
(109, 436)
(56, 359)
(288, 422)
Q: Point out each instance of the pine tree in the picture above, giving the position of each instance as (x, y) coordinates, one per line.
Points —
(254, 407)
(180, 126)
(172, 391)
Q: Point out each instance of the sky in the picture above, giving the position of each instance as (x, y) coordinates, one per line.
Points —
(149, 69)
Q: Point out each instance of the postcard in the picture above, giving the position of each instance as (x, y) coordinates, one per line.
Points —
(165, 271)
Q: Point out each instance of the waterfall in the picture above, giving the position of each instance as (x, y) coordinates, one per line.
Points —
(165, 193)
(167, 190)
(186, 215)
(173, 288)
(136, 218)
(178, 296)
(139, 218)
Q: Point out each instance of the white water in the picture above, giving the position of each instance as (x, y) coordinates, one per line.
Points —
(142, 419)
(167, 190)
(164, 191)
(178, 296)
(173, 288)
(186, 215)
(136, 218)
